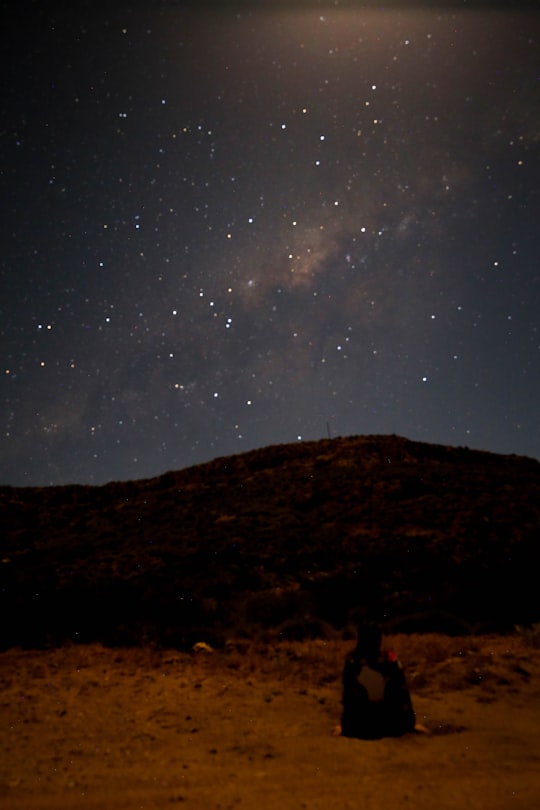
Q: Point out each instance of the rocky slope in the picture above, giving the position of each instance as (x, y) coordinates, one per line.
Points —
(290, 539)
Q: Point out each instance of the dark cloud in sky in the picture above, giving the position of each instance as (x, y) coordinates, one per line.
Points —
(228, 229)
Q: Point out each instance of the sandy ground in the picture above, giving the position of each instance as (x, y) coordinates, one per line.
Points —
(90, 727)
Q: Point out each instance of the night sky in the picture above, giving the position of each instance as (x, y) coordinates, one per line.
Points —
(223, 230)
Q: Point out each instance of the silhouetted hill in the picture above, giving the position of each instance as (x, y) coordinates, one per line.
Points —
(292, 536)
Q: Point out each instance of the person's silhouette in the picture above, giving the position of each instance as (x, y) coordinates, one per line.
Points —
(376, 700)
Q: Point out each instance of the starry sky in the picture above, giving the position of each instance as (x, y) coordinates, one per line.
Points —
(224, 229)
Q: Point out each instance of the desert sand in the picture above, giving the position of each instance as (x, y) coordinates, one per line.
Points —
(251, 725)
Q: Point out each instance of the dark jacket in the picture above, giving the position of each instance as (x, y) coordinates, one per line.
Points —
(376, 700)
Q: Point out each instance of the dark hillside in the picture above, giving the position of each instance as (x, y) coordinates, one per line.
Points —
(293, 537)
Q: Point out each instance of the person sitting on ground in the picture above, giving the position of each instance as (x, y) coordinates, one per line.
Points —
(376, 700)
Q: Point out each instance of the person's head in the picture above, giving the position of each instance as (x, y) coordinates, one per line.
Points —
(369, 640)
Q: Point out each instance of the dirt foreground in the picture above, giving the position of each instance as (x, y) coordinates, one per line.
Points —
(252, 726)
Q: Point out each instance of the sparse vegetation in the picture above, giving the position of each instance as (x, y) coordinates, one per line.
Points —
(294, 537)
(531, 635)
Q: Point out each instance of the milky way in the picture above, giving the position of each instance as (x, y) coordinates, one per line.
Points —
(230, 229)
